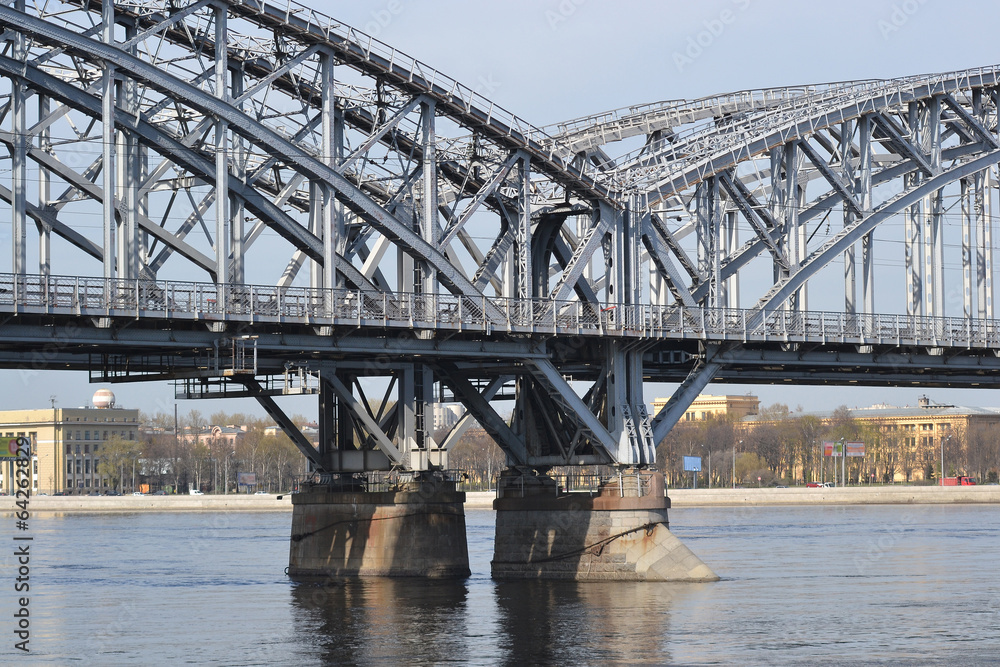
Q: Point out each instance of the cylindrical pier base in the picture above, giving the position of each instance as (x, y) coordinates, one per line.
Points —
(617, 533)
(418, 531)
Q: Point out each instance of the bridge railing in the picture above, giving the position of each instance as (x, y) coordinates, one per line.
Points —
(116, 298)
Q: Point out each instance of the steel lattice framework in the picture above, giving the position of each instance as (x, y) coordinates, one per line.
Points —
(255, 199)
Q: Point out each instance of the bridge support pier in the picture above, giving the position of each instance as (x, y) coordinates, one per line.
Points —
(618, 533)
(417, 529)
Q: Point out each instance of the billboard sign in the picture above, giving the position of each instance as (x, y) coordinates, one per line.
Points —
(833, 448)
(15, 448)
(692, 464)
(246, 479)
(855, 449)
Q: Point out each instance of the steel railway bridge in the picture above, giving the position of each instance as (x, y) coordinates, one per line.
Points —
(254, 199)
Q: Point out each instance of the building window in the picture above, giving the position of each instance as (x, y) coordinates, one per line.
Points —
(86, 466)
(86, 449)
(86, 435)
(69, 482)
(131, 435)
(79, 467)
(77, 436)
(95, 449)
(78, 449)
(105, 435)
(69, 467)
(69, 448)
(87, 483)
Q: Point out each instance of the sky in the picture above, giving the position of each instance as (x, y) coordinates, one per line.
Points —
(553, 60)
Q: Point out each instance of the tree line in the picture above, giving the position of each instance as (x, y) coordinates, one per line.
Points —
(210, 464)
(783, 447)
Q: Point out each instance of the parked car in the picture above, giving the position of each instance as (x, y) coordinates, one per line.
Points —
(196, 492)
(161, 492)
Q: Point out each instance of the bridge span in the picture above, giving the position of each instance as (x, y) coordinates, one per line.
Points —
(253, 199)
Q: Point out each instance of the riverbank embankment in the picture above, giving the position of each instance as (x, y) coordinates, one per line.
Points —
(851, 495)
(876, 495)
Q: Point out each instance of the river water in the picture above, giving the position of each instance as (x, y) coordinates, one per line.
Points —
(915, 584)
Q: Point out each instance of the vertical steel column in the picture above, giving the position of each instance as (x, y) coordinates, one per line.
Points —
(237, 229)
(793, 241)
(705, 200)
(332, 127)
(732, 285)
(715, 270)
(19, 162)
(222, 210)
(633, 245)
(847, 172)
(968, 307)
(913, 228)
(430, 229)
(982, 189)
(128, 176)
(525, 276)
(44, 191)
(109, 168)
(778, 203)
(328, 440)
(930, 120)
(863, 193)
(982, 200)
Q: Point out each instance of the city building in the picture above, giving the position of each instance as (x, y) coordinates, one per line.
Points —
(66, 443)
(915, 434)
(707, 406)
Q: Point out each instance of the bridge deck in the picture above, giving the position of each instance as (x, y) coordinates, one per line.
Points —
(211, 303)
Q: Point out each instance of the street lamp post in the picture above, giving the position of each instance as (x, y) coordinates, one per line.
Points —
(941, 480)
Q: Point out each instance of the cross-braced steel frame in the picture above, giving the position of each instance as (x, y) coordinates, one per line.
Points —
(198, 178)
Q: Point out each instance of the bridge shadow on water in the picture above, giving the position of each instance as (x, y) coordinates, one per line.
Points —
(482, 622)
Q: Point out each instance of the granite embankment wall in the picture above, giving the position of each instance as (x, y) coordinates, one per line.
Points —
(878, 495)
(862, 495)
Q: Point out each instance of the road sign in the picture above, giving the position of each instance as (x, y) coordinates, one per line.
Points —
(692, 464)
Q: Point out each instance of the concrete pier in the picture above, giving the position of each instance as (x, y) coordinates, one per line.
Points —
(617, 533)
(417, 530)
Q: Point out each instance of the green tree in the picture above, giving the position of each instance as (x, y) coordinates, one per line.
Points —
(118, 459)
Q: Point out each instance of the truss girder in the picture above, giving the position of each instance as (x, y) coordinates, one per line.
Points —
(390, 177)
(252, 131)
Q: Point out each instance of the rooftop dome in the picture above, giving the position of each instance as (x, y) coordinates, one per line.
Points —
(103, 399)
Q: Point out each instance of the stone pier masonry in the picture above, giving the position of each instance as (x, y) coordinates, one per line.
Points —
(416, 531)
(616, 533)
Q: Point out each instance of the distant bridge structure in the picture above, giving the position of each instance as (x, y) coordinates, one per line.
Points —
(254, 199)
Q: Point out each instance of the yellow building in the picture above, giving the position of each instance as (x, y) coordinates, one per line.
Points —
(707, 406)
(912, 436)
(66, 443)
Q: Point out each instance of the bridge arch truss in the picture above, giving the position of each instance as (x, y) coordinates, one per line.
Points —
(195, 174)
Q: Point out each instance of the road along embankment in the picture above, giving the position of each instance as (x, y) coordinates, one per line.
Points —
(77, 504)
(876, 495)
(851, 495)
